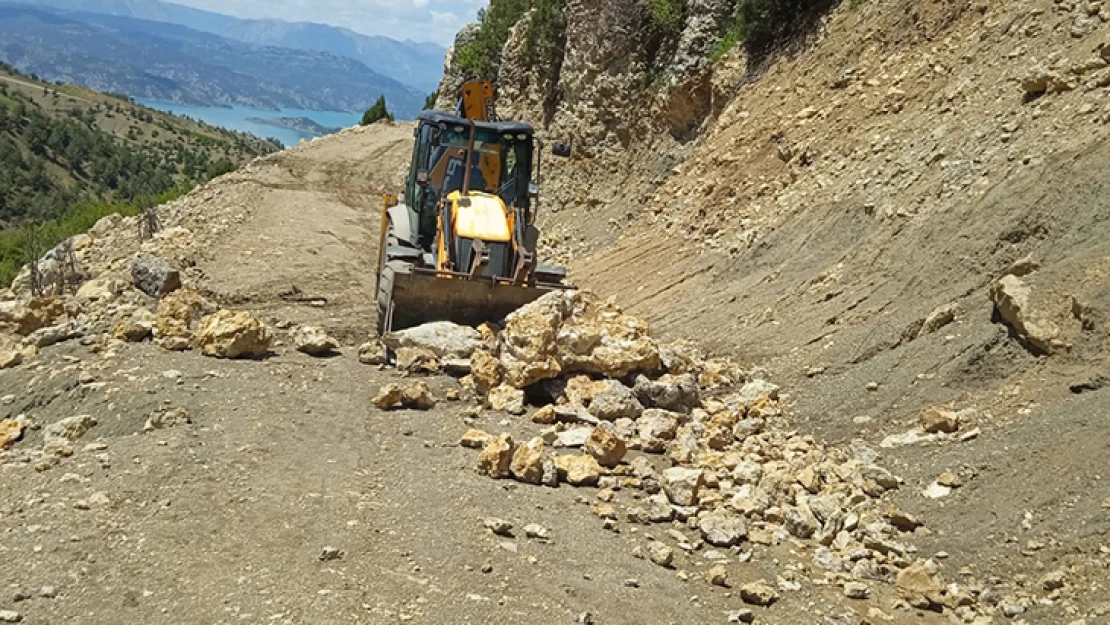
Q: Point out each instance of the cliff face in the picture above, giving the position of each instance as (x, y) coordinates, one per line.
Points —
(615, 77)
(629, 94)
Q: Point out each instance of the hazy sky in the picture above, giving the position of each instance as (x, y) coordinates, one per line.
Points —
(419, 20)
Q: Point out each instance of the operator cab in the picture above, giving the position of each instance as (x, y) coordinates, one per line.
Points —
(500, 164)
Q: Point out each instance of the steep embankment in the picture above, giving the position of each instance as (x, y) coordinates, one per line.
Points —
(842, 217)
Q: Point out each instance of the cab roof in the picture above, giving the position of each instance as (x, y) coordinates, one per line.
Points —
(438, 117)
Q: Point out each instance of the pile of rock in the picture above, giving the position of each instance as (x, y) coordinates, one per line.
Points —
(727, 472)
(181, 319)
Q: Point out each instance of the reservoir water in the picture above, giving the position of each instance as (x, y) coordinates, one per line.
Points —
(235, 118)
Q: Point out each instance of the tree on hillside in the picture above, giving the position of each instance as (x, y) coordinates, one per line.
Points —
(377, 112)
(430, 101)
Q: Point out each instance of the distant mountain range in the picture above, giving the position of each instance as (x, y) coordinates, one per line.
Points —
(416, 64)
(163, 60)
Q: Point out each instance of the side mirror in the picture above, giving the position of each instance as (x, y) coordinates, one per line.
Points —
(422, 178)
(561, 149)
(533, 190)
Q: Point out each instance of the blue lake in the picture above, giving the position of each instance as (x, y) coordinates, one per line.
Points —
(235, 118)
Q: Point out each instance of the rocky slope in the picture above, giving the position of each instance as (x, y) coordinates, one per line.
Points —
(864, 219)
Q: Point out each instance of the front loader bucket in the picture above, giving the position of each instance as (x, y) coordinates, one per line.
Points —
(416, 297)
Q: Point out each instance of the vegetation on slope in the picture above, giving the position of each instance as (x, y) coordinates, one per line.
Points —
(481, 56)
(69, 156)
(764, 26)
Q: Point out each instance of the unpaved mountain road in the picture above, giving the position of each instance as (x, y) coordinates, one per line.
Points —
(225, 520)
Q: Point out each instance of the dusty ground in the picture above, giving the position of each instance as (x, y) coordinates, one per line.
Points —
(913, 195)
(224, 520)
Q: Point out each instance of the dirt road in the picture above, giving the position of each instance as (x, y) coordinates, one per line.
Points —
(225, 520)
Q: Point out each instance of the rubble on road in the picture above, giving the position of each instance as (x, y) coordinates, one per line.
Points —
(178, 317)
(228, 334)
(313, 341)
(154, 276)
(734, 476)
(415, 395)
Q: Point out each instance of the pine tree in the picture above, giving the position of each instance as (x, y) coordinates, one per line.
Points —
(377, 112)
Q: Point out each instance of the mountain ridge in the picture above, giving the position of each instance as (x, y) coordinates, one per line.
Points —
(418, 64)
(169, 62)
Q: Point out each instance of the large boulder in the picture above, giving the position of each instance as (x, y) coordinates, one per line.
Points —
(600, 339)
(45, 337)
(528, 351)
(1012, 299)
(178, 316)
(574, 332)
(507, 399)
(25, 318)
(612, 400)
(134, 327)
(578, 470)
(58, 436)
(228, 334)
(154, 276)
(99, 290)
(416, 360)
(415, 395)
(656, 429)
(496, 459)
(11, 430)
(443, 338)
(313, 341)
(920, 585)
(527, 462)
(682, 485)
(722, 529)
(605, 445)
(12, 354)
(485, 371)
(373, 352)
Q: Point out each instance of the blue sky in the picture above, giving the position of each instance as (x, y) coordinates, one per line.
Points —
(419, 20)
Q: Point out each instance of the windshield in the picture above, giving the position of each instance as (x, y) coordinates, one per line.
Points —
(499, 164)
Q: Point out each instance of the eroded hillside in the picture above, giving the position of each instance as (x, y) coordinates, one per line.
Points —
(857, 217)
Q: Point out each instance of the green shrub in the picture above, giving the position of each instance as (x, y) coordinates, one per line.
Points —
(764, 26)
(430, 101)
(76, 220)
(480, 58)
(668, 14)
(545, 38)
(376, 112)
(733, 37)
(220, 167)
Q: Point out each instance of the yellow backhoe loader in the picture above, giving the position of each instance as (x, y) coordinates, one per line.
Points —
(461, 244)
